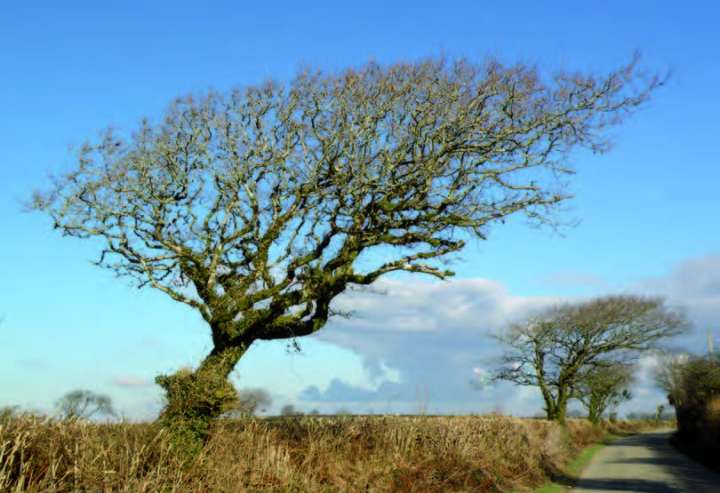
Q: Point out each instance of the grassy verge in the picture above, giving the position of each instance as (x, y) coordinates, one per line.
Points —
(574, 469)
(380, 454)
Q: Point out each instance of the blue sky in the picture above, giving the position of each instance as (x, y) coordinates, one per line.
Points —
(648, 210)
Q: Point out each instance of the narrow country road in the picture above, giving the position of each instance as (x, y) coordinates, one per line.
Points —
(645, 463)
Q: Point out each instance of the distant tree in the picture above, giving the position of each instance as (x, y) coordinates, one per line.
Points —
(84, 404)
(254, 400)
(693, 385)
(314, 412)
(250, 401)
(604, 387)
(556, 348)
(12, 411)
(659, 412)
(7, 412)
(255, 207)
(289, 410)
(669, 374)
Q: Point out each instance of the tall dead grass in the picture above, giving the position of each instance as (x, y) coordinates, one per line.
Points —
(314, 454)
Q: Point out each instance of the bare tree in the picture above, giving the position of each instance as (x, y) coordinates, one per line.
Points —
(250, 401)
(557, 348)
(604, 387)
(84, 404)
(258, 207)
(289, 410)
(669, 374)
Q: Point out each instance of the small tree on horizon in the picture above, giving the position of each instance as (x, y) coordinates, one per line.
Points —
(290, 410)
(250, 401)
(259, 206)
(559, 347)
(84, 404)
(669, 373)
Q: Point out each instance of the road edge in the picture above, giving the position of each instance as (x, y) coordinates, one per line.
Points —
(577, 465)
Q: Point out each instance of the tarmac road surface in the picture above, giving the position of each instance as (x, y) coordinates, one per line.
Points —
(645, 463)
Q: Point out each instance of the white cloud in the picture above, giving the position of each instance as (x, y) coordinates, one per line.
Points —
(436, 335)
(468, 305)
(694, 283)
(695, 286)
(127, 381)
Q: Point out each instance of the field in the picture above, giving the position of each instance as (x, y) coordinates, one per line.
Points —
(313, 454)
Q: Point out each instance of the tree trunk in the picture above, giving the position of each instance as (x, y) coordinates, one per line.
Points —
(550, 410)
(195, 398)
(562, 404)
(595, 409)
(557, 412)
(556, 409)
(561, 412)
(550, 404)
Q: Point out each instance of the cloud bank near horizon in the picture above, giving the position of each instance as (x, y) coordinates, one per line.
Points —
(437, 336)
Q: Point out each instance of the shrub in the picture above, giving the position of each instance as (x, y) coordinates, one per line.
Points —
(694, 391)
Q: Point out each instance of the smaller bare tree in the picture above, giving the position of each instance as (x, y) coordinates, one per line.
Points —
(553, 350)
(84, 404)
(250, 401)
(289, 410)
(603, 388)
(669, 374)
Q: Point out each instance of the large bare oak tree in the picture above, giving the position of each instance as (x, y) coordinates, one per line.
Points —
(563, 348)
(257, 207)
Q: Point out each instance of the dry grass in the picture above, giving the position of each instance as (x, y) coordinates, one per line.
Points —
(314, 454)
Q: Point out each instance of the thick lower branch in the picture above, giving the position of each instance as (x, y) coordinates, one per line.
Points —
(222, 360)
